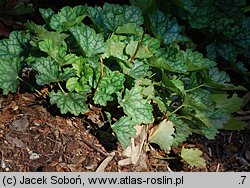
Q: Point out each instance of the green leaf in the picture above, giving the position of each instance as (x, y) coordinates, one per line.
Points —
(142, 53)
(182, 130)
(109, 85)
(14, 45)
(115, 15)
(213, 121)
(199, 99)
(193, 157)
(68, 17)
(163, 135)
(180, 61)
(178, 84)
(136, 107)
(91, 43)
(228, 105)
(169, 84)
(219, 77)
(47, 70)
(124, 130)
(9, 70)
(115, 47)
(220, 80)
(46, 14)
(138, 70)
(66, 74)
(161, 104)
(235, 125)
(195, 60)
(69, 102)
(165, 28)
(43, 34)
(55, 50)
(127, 28)
(77, 84)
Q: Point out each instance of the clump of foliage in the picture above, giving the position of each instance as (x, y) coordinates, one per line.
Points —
(128, 58)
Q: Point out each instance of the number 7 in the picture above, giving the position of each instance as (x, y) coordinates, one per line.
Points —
(244, 177)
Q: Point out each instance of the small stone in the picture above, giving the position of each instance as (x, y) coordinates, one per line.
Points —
(34, 156)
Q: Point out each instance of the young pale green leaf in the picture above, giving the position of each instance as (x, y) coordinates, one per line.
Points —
(169, 84)
(109, 85)
(47, 70)
(127, 28)
(115, 15)
(77, 84)
(9, 70)
(161, 105)
(179, 84)
(165, 28)
(142, 53)
(163, 135)
(228, 105)
(115, 47)
(171, 66)
(235, 125)
(43, 34)
(136, 107)
(69, 102)
(193, 157)
(13, 46)
(139, 70)
(90, 42)
(68, 17)
(124, 130)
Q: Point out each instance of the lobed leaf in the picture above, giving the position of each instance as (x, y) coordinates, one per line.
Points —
(9, 74)
(136, 107)
(90, 43)
(124, 130)
(69, 102)
(109, 85)
(14, 45)
(116, 15)
(68, 17)
(166, 28)
(47, 70)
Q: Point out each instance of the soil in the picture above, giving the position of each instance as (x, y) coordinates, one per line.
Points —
(35, 137)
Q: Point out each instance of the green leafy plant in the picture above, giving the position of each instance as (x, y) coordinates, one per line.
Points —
(105, 57)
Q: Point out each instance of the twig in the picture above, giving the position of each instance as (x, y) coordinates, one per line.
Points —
(101, 75)
(88, 143)
(138, 46)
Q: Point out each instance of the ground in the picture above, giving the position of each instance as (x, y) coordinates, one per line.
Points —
(34, 136)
